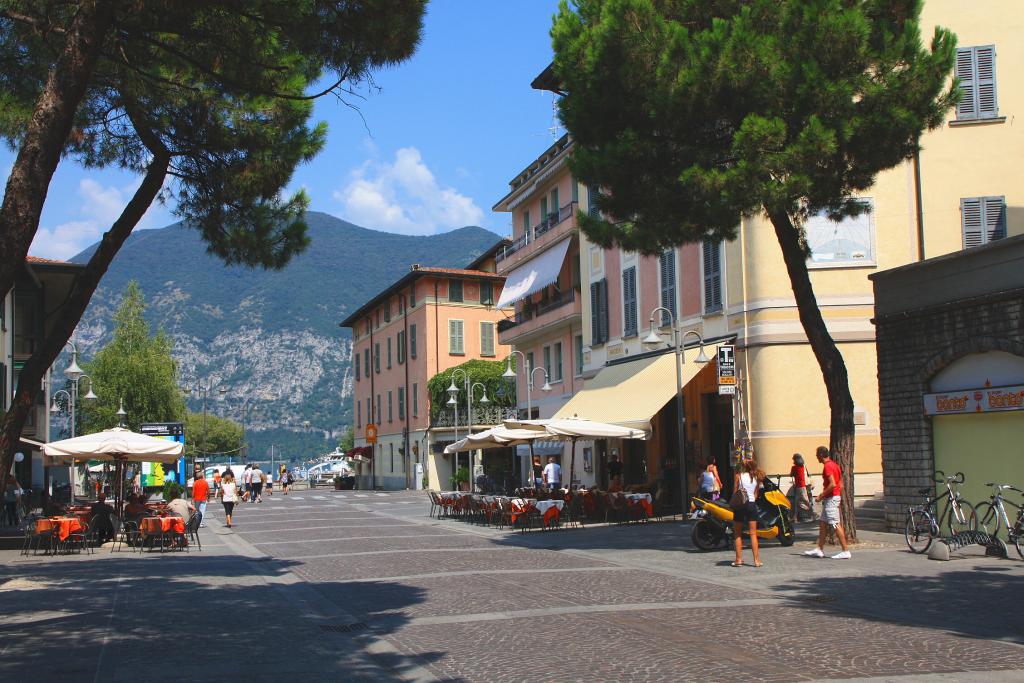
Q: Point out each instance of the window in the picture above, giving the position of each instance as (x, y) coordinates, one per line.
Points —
(547, 363)
(391, 406)
(355, 362)
(369, 412)
(847, 242)
(486, 339)
(526, 222)
(366, 362)
(367, 326)
(983, 220)
(554, 203)
(599, 311)
(529, 365)
(976, 69)
(387, 311)
(578, 354)
(455, 290)
(415, 400)
(412, 341)
(667, 270)
(359, 414)
(380, 409)
(592, 194)
(376, 357)
(629, 316)
(712, 254)
(412, 295)
(487, 293)
(401, 347)
(543, 209)
(401, 403)
(389, 352)
(557, 352)
(376, 322)
(456, 341)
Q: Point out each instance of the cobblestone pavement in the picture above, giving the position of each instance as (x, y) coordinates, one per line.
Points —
(362, 585)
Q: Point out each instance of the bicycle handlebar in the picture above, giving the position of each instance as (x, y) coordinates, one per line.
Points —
(957, 478)
(1003, 486)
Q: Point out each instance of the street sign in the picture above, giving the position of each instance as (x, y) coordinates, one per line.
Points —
(371, 433)
(726, 370)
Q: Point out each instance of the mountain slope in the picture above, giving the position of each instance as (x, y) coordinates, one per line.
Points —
(272, 337)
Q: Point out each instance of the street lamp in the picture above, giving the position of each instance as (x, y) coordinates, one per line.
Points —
(511, 374)
(75, 375)
(453, 392)
(203, 390)
(677, 342)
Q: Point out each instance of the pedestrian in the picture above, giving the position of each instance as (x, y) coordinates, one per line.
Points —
(228, 494)
(748, 480)
(100, 518)
(246, 483)
(216, 481)
(614, 469)
(830, 496)
(284, 478)
(801, 490)
(257, 477)
(12, 501)
(710, 484)
(538, 470)
(200, 495)
(552, 474)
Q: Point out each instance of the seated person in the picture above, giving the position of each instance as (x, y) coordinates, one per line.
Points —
(100, 520)
(136, 508)
(179, 507)
(615, 486)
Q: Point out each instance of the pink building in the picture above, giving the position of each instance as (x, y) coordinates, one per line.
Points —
(430, 320)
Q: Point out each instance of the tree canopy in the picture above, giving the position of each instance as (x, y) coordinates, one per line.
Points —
(135, 367)
(501, 392)
(206, 434)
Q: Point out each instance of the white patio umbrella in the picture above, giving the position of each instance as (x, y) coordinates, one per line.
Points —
(575, 428)
(495, 437)
(116, 445)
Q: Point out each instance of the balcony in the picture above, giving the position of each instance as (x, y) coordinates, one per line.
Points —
(534, 317)
(482, 416)
(547, 231)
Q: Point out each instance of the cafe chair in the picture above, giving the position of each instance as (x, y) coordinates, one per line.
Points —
(79, 540)
(192, 529)
(125, 532)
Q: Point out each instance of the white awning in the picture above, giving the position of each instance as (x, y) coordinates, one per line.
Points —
(533, 275)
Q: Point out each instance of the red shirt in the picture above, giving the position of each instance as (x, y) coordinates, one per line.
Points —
(799, 474)
(200, 490)
(832, 469)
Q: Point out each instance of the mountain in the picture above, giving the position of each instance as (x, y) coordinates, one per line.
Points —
(271, 336)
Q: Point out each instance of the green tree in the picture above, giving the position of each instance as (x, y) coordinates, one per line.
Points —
(207, 100)
(135, 367)
(691, 113)
(206, 434)
(348, 440)
(501, 392)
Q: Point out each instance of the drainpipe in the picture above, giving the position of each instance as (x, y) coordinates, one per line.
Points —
(407, 390)
(373, 407)
(918, 204)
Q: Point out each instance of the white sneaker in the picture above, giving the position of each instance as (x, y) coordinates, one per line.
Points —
(814, 553)
(845, 555)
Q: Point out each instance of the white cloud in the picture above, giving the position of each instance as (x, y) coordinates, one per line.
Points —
(404, 197)
(100, 206)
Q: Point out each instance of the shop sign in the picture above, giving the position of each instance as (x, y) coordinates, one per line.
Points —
(726, 370)
(371, 433)
(992, 400)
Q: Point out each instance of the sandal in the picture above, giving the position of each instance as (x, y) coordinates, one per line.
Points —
(737, 564)
(759, 564)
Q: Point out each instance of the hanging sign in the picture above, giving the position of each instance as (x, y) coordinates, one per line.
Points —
(990, 400)
(371, 433)
(726, 370)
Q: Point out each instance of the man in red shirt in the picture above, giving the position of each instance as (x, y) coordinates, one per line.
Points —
(200, 494)
(831, 492)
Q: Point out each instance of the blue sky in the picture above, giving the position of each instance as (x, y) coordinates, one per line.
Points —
(447, 132)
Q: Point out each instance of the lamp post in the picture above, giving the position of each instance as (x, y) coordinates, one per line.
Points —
(677, 342)
(75, 375)
(511, 374)
(203, 391)
(453, 392)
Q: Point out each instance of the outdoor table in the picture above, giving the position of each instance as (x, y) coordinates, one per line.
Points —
(550, 509)
(642, 499)
(162, 525)
(61, 526)
(522, 507)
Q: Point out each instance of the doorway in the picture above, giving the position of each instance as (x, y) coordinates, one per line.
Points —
(720, 437)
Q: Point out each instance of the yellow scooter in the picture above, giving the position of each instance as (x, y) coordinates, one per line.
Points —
(712, 519)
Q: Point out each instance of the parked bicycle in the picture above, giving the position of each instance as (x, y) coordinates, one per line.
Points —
(924, 525)
(992, 516)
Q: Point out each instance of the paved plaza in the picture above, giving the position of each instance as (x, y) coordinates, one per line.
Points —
(365, 586)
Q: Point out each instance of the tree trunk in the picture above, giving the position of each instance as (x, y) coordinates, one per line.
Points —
(46, 134)
(70, 312)
(833, 368)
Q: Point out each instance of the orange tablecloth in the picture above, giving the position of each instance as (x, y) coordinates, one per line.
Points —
(65, 526)
(156, 525)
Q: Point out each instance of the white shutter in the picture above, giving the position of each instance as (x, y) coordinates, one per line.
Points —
(971, 222)
(967, 108)
(985, 78)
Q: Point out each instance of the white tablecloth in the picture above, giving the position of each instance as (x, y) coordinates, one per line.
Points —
(545, 505)
(639, 496)
(454, 495)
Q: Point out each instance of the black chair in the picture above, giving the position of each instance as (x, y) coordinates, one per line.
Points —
(79, 539)
(192, 530)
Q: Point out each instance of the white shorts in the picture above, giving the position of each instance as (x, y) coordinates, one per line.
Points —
(830, 511)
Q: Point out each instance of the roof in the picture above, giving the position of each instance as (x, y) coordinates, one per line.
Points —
(547, 80)
(489, 253)
(415, 273)
(546, 160)
(38, 259)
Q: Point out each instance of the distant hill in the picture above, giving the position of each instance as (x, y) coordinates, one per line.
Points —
(271, 336)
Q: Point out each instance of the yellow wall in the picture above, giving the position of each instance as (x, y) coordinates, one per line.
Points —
(985, 447)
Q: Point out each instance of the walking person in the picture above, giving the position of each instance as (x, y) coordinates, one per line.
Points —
(831, 494)
(744, 508)
(216, 482)
(710, 484)
(801, 498)
(257, 478)
(200, 496)
(246, 483)
(552, 474)
(284, 479)
(228, 495)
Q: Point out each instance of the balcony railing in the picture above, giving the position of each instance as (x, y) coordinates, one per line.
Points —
(482, 415)
(531, 310)
(550, 221)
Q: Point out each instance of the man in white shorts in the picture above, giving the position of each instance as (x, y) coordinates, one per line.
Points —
(831, 494)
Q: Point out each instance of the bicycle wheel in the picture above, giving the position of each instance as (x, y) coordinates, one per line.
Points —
(967, 521)
(919, 531)
(988, 518)
(1018, 540)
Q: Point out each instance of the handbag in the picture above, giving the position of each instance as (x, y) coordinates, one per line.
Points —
(738, 498)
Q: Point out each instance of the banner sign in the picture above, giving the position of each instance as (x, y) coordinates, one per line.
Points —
(992, 400)
(153, 473)
(726, 370)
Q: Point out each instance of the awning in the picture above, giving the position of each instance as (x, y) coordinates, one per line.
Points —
(541, 448)
(630, 394)
(31, 442)
(533, 275)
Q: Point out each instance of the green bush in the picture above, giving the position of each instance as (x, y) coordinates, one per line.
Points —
(173, 489)
(461, 475)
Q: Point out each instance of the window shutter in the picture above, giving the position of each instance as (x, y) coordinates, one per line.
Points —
(985, 77)
(455, 337)
(486, 339)
(401, 347)
(412, 341)
(595, 316)
(995, 218)
(712, 276)
(667, 268)
(967, 107)
(604, 309)
(629, 313)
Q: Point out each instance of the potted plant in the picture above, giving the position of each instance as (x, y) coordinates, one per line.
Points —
(172, 490)
(338, 482)
(460, 480)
